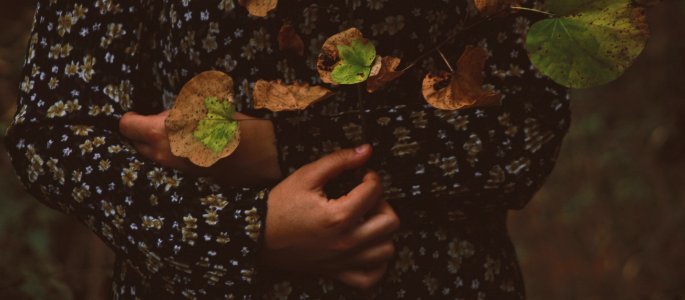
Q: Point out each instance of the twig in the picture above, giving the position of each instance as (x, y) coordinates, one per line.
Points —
(533, 10)
(445, 60)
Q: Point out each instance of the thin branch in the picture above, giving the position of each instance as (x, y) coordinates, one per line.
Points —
(533, 10)
(363, 114)
(446, 61)
(447, 40)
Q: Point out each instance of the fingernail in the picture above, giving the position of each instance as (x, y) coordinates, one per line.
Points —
(361, 149)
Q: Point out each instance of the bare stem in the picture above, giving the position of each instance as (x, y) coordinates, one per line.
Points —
(447, 40)
(532, 10)
(362, 110)
(447, 62)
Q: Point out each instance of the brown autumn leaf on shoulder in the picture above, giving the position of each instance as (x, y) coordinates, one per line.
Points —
(463, 88)
(259, 8)
(329, 57)
(489, 7)
(278, 96)
(190, 109)
(383, 72)
(289, 40)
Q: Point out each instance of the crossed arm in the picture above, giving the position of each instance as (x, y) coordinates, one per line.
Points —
(66, 147)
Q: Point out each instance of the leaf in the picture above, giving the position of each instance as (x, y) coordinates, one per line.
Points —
(346, 58)
(200, 122)
(384, 70)
(289, 40)
(218, 128)
(462, 89)
(277, 96)
(489, 7)
(259, 8)
(590, 43)
(355, 62)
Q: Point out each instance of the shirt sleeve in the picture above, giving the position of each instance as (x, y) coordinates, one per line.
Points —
(81, 74)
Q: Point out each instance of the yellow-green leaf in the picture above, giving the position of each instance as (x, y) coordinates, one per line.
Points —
(204, 101)
(589, 42)
(218, 128)
(355, 62)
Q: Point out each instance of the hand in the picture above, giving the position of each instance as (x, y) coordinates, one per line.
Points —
(254, 161)
(348, 238)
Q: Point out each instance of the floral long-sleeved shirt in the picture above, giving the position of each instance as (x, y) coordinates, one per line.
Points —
(450, 175)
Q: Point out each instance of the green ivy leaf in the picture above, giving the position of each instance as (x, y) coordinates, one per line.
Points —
(589, 43)
(218, 128)
(355, 62)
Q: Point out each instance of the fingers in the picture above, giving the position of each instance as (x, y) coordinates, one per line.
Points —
(363, 278)
(379, 253)
(380, 225)
(318, 173)
(146, 129)
(358, 202)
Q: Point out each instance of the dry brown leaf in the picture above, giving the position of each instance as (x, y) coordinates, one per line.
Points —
(383, 71)
(278, 96)
(489, 7)
(259, 8)
(289, 40)
(187, 112)
(328, 58)
(463, 88)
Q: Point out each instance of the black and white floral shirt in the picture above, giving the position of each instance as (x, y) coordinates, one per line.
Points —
(450, 175)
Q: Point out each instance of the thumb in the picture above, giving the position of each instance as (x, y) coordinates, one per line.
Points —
(318, 173)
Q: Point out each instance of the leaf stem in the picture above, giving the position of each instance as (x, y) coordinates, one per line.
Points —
(447, 40)
(533, 10)
(446, 60)
(362, 112)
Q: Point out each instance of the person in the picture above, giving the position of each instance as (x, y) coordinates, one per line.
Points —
(88, 139)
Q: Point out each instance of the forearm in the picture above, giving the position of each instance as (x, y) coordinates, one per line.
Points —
(255, 161)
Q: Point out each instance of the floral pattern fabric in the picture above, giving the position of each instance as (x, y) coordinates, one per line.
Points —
(450, 175)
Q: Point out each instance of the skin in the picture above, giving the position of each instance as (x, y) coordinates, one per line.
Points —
(348, 239)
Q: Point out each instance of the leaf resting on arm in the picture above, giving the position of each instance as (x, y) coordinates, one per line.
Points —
(200, 125)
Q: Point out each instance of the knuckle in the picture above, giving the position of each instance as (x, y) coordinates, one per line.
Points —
(155, 135)
(124, 123)
(388, 250)
(159, 157)
(337, 218)
(342, 245)
(394, 222)
(364, 284)
(339, 155)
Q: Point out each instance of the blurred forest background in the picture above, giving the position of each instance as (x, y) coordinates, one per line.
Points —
(609, 224)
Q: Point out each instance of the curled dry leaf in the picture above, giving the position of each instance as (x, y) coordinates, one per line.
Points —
(329, 58)
(278, 96)
(189, 111)
(384, 70)
(489, 7)
(462, 89)
(259, 8)
(289, 40)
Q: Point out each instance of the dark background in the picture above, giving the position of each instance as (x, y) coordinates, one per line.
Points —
(609, 223)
